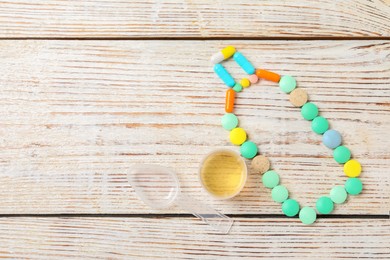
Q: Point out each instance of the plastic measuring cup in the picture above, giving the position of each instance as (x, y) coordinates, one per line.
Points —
(159, 188)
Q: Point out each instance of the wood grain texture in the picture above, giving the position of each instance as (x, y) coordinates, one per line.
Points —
(75, 115)
(175, 18)
(154, 238)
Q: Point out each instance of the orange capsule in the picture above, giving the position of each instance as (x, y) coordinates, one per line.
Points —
(268, 75)
(229, 105)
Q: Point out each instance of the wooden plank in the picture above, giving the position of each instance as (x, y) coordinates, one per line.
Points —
(154, 238)
(76, 114)
(175, 18)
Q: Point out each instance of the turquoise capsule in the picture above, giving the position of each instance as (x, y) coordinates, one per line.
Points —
(224, 75)
(244, 63)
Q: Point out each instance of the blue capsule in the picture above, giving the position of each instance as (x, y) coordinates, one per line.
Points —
(331, 139)
(224, 75)
(244, 63)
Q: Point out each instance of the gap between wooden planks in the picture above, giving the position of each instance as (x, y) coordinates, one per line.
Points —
(119, 238)
(199, 19)
(76, 114)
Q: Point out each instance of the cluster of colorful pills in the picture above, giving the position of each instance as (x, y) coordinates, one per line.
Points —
(309, 111)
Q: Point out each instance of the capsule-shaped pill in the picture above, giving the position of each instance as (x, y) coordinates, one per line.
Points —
(224, 75)
(229, 103)
(223, 54)
(268, 75)
(244, 63)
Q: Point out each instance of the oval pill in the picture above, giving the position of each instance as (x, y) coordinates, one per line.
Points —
(290, 207)
(298, 97)
(224, 75)
(260, 164)
(248, 149)
(237, 136)
(268, 75)
(331, 139)
(352, 168)
(244, 63)
(341, 154)
(353, 186)
(229, 102)
(338, 194)
(237, 87)
(245, 83)
(229, 121)
(309, 111)
(270, 179)
(287, 84)
(223, 54)
(253, 78)
(279, 193)
(319, 125)
(307, 215)
(324, 205)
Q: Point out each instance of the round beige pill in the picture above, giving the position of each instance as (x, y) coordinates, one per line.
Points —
(260, 164)
(298, 97)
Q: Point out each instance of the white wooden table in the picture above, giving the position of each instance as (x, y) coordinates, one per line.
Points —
(91, 87)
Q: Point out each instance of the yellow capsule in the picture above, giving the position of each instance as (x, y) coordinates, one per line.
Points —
(228, 52)
(237, 136)
(222, 55)
(352, 168)
(245, 83)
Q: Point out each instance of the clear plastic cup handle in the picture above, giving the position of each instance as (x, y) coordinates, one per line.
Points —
(216, 220)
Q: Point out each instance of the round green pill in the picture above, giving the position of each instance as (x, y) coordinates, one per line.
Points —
(307, 215)
(353, 186)
(319, 125)
(324, 205)
(341, 154)
(338, 194)
(270, 179)
(287, 84)
(237, 87)
(279, 193)
(229, 121)
(248, 149)
(290, 207)
(309, 111)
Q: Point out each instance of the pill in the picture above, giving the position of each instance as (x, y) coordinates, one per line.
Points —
(309, 111)
(237, 87)
(354, 186)
(223, 54)
(324, 205)
(243, 63)
(279, 193)
(338, 194)
(319, 125)
(253, 78)
(224, 75)
(341, 154)
(229, 102)
(270, 179)
(287, 84)
(245, 83)
(307, 215)
(229, 121)
(352, 168)
(260, 164)
(248, 149)
(331, 139)
(298, 97)
(237, 136)
(268, 75)
(290, 207)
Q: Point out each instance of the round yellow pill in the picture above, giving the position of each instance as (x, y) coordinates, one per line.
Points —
(237, 136)
(245, 83)
(352, 168)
